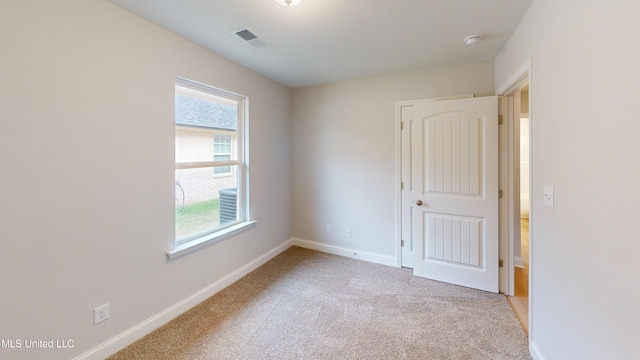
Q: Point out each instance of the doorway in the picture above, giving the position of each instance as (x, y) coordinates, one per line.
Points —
(514, 231)
(520, 120)
(511, 225)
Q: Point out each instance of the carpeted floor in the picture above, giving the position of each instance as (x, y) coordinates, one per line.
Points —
(305, 304)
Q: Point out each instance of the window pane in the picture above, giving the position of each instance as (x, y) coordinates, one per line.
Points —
(204, 202)
(209, 128)
(221, 157)
(205, 125)
(222, 144)
(221, 169)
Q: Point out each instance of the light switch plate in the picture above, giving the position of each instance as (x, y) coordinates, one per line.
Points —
(547, 192)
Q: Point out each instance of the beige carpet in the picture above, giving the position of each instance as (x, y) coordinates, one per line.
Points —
(310, 305)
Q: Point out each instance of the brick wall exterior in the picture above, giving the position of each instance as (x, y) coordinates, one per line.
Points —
(194, 144)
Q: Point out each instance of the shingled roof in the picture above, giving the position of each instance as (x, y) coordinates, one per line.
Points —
(205, 114)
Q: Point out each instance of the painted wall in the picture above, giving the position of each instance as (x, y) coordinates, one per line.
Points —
(585, 123)
(87, 215)
(344, 141)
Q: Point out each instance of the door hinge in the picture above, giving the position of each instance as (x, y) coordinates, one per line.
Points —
(500, 194)
(500, 263)
(500, 120)
(402, 185)
(402, 125)
(402, 243)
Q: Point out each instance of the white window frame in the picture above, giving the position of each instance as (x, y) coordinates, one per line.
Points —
(192, 243)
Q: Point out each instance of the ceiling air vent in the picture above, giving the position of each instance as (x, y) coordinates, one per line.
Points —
(249, 37)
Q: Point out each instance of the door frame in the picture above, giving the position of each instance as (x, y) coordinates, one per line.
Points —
(506, 281)
(512, 85)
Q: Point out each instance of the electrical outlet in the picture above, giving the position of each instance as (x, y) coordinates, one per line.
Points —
(100, 314)
(348, 232)
(329, 229)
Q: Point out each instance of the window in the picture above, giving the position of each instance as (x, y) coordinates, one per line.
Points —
(222, 152)
(210, 165)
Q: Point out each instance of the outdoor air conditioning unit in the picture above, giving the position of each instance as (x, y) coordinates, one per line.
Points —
(228, 206)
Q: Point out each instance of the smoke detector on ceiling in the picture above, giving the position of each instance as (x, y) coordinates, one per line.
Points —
(472, 39)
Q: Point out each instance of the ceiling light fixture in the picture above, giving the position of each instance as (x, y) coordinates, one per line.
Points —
(288, 2)
(472, 39)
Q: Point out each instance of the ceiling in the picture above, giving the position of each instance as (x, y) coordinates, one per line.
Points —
(324, 41)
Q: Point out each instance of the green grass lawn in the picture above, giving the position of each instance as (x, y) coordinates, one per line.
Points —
(197, 217)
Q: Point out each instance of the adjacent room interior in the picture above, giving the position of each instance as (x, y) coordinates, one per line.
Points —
(522, 221)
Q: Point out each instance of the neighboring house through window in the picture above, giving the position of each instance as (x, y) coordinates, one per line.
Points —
(222, 152)
(210, 163)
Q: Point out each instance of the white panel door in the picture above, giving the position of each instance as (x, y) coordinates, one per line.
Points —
(454, 192)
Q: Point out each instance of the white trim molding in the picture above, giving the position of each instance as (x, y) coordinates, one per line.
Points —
(135, 333)
(536, 354)
(210, 239)
(525, 74)
(512, 83)
(138, 331)
(346, 252)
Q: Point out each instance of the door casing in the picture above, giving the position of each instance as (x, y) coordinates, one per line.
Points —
(506, 277)
(522, 76)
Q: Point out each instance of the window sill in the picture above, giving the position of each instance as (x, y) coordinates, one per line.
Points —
(207, 240)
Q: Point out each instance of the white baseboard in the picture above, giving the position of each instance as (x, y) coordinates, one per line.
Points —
(346, 252)
(128, 337)
(535, 352)
(518, 262)
(135, 333)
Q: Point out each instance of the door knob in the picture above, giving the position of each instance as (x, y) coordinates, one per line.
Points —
(419, 202)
